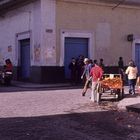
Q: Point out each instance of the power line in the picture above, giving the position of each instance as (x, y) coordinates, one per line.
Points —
(118, 4)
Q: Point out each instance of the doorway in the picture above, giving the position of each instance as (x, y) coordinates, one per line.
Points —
(74, 47)
(137, 56)
(25, 59)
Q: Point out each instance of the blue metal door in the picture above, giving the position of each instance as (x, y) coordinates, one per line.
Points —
(137, 55)
(73, 48)
(25, 58)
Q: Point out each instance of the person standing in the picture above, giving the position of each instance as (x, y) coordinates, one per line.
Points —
(101, 64)
(96, 74)
(121, 69)
(132, 72)
(80, 67)
(73, 69)
(86, 73)
(8, 65)
(8, 68)
(120, 65)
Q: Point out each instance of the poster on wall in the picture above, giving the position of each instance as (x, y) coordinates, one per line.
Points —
(37, 52)
(50, 55)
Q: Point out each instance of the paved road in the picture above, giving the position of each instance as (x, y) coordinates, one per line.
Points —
(62, 114)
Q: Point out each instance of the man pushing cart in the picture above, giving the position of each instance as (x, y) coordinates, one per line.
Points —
(110, 83)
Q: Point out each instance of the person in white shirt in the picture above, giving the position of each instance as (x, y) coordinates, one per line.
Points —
(132, 73)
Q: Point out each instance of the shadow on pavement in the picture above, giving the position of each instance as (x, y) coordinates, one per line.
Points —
(131, 96)
(105, 125)
(13, 88)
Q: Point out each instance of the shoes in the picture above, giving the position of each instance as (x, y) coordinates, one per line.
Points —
(93, 100)
(133, 93)
(130, 91)
(83, 94)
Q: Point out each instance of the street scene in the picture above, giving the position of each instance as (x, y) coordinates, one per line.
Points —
(69, 69)
(36, 112)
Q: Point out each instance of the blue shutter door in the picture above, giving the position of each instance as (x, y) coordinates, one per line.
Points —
(73, 48)
(137, 55)
(25, 58)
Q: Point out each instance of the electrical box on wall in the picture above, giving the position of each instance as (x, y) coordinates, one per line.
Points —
(130, 37)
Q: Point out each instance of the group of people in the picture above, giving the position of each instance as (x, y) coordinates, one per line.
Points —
(78, 67)
(92, 71)
(131, 72)
(93, 74)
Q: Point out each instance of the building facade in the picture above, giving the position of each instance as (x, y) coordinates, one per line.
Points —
(41, 36)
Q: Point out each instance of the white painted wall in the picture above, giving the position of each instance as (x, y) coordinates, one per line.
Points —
(15, 22)
(48, 32)
(36, 34)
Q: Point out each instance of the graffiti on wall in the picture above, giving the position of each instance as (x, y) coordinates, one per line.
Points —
(37, 52)
(50, 54)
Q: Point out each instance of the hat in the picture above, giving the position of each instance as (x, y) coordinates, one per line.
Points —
(86, 59)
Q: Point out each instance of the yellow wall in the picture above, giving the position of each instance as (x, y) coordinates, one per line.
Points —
(87, 17)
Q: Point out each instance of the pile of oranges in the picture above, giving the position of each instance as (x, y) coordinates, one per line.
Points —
(113, 83)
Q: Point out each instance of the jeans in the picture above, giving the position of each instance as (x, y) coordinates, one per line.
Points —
(132, 83)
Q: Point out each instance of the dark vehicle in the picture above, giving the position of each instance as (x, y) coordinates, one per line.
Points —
(6, 74)
(6, 77)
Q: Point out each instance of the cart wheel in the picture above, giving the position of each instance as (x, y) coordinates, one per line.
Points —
(120, 93)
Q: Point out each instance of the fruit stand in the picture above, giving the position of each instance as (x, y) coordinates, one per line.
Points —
(110, 83)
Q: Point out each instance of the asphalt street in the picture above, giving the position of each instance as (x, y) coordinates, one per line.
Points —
(62, 114)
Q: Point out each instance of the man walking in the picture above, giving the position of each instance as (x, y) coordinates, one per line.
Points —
(96, 74)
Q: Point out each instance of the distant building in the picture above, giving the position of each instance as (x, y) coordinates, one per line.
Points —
(41, 36)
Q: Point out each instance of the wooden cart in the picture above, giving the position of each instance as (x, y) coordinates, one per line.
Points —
(110, 83)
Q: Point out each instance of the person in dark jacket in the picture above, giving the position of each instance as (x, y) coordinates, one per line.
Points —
(121, 69)
(73, 69)
(101, 64)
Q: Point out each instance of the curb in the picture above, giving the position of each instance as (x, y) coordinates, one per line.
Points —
(51, 86)
(134, 108)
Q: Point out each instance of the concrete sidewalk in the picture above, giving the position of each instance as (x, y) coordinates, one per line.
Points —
(130, 102)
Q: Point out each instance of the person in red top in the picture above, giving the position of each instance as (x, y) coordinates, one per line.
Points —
(96, 74)
(8, 66)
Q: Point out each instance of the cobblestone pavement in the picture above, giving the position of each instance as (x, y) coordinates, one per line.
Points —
(40, 114)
